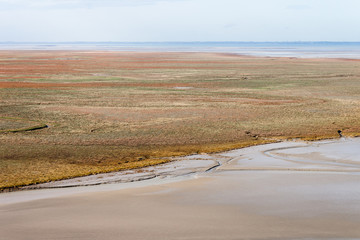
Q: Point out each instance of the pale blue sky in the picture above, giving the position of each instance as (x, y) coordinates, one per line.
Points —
(179, 20)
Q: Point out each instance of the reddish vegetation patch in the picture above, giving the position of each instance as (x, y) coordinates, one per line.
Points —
(349, 59)
(31, 65)
(18, 77)
(87, 85)
(50, 85)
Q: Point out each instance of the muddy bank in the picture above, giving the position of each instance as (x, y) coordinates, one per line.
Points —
(329, 155)
(288, 190)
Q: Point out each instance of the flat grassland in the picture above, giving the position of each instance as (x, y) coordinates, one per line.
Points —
(108, 111)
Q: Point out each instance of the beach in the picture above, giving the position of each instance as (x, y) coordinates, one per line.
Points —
(286, 190)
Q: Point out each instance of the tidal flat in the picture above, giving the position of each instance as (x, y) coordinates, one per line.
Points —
(286, 190)
(65, 114)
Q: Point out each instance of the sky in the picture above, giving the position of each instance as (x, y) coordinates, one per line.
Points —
(179, 20)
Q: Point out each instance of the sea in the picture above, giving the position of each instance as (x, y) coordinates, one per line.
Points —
(349, 50)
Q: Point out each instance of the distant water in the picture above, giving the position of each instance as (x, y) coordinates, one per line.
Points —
(270, 49)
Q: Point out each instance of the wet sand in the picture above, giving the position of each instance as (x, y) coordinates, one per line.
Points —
(288, 190)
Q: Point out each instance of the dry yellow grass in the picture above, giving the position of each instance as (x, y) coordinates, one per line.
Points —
(113, 111)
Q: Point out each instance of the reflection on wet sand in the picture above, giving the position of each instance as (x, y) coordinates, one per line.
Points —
(288, 190)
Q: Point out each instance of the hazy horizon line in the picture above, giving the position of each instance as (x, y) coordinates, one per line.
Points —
(23, 42)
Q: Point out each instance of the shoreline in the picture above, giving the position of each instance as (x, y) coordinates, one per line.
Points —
(300, 49)
(183, 168)
(244, 55)
(144, 170)
(146, 173)
(286, 190)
